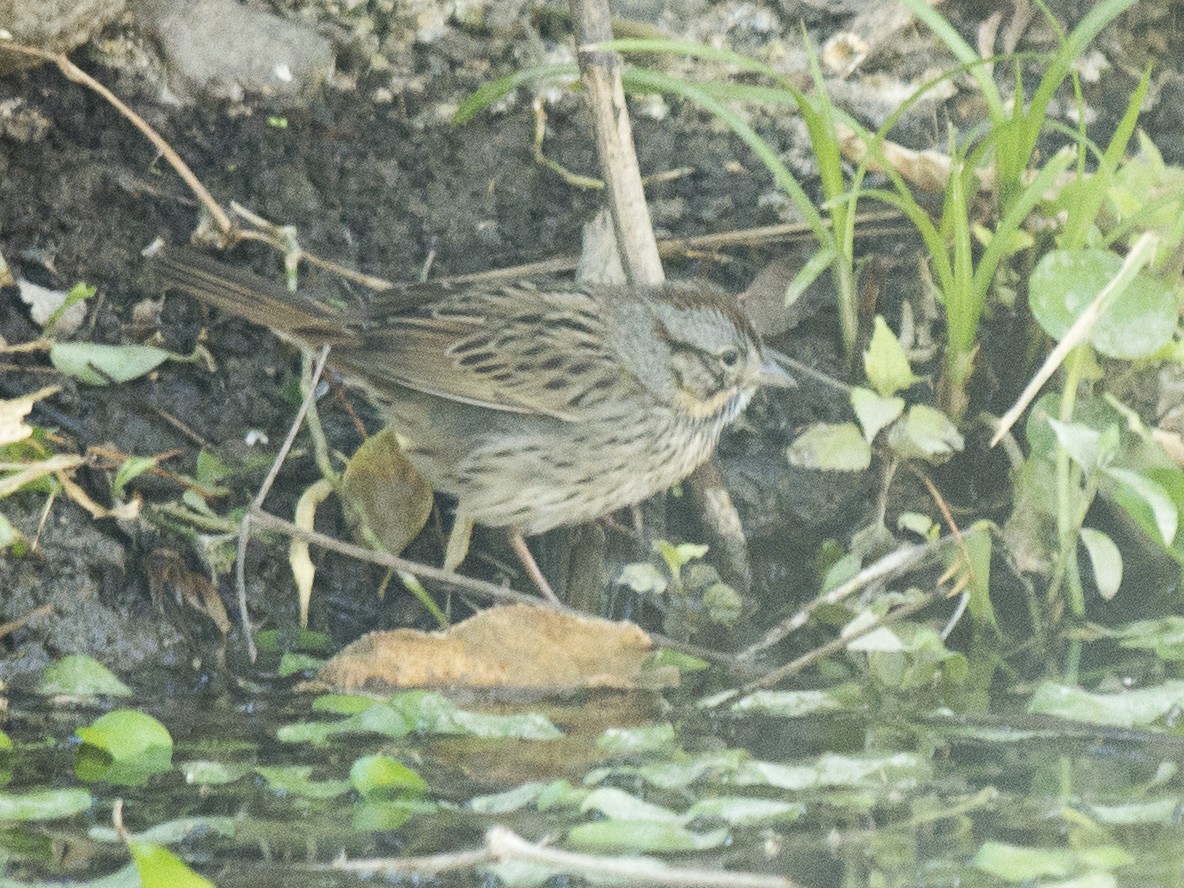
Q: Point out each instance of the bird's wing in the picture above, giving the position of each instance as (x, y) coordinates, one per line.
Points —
(518, 348)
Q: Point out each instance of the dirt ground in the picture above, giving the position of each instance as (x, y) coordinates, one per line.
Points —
(371, 173)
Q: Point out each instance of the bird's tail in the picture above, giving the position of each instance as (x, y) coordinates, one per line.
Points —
(245, 295)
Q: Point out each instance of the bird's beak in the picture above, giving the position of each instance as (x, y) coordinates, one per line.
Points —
(773, 374)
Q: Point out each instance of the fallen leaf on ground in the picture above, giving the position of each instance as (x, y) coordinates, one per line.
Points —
(518, 646)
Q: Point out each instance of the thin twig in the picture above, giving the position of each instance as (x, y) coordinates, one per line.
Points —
(267, 521)
(890, 565)
(244, 532)
(792, 668)
(77, 75)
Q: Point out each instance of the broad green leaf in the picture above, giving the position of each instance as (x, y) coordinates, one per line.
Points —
(743, 811)
(1082, 443)
(294, 664)
(885, 362)
(644, 835)
(1106, 561)
(873, 411)
(212, 773)
(78, 675)
(1126, 709)
(616, 804)
(1163, 511)
(297, 780)
(830, 448)
(659, 738)
(161, 868)
(45, 804)
(98, 364)
(381, 775)
(1016, 863)
(925, 433)
(1139, 320)
(797, 704)
(123, 747)
(514, 799)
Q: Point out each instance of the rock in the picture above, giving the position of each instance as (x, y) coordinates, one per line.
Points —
(222, 49)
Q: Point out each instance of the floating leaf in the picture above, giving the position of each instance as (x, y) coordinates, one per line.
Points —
(381, 775)
(1015, 863)
(743, 811)
(296, 780)
(124, 746)
(658, 738)
(46, 804)
(161, 868)
(644, 835)
(81, 676)
(1125, 709)
(211, 773)
(98, 364)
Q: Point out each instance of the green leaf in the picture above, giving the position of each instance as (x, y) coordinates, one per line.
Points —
(294, 664)
(1155, 497)
(830, 448)
(129, 469)
(743, 811)
(1086, 446)
(46, 804)
(1125, 709)
(925, 433)
(123, 747)
(381, 775)
(1138, 321)
(98, 364)
(885, 362)
(873, 411)
(798, 704)
(127, 733)
(643, 578)
(78, 675)
(296, 780)
(160, 868)
(645, 835)
(1015, 863)
(212, 773)
(648, 739)
(1106, 561)
(616, 804)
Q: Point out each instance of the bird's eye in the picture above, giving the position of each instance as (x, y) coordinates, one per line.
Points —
(729, 357)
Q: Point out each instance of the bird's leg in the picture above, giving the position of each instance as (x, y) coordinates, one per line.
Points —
(518, 544)
(458, 542)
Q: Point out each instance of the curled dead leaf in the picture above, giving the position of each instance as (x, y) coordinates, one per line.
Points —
(518, 646)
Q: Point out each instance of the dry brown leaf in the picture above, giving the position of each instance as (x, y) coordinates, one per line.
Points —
(14, 411)
(518, 646)
(382, 485)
